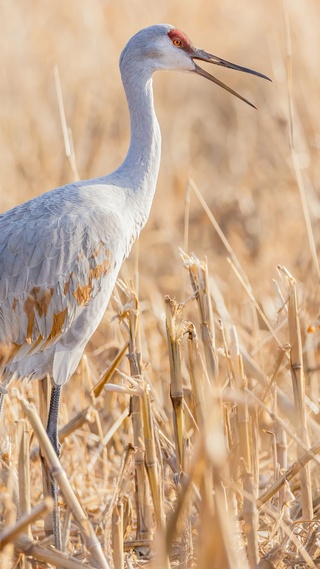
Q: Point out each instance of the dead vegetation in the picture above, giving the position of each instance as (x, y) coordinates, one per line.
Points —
(191, 429)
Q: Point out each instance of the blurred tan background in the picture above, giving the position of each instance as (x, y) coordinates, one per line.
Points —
(239, 158)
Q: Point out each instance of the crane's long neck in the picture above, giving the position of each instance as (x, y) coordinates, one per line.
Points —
(141, 165)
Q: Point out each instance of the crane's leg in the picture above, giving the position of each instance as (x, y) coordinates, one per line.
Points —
(1, 403)
(52, 424)
(3, 392)
(52, 432)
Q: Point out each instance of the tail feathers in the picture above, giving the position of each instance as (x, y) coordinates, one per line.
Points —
(65, 363)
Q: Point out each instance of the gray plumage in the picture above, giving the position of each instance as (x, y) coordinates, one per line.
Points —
(59, 258)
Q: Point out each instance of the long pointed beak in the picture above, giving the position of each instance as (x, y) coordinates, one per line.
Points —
(204, 56)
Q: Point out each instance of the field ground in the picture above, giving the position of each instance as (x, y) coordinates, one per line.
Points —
(237, 338)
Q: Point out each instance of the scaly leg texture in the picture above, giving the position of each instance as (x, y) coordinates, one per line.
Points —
(3, 392)
(52, 432)
(1, 403)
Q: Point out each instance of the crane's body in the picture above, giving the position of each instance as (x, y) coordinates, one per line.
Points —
(61, 252)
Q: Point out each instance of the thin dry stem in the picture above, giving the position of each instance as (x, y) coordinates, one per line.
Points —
(198, 273)
(145, 524)
(201, 388)
(174, 335)
(57, 472)
(107, 375)
(67, 137)
(298, 384)
(31, 549)
(117, 536)
(10, 534)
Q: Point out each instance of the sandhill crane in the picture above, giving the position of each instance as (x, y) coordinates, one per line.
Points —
(61, 252)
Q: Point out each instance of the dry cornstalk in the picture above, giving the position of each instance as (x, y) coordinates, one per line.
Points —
(7, 552)
(58, 474)
(143, 500)
(192, 479)
(245, 438)
(24, 470)
(117, 536)
(117, 495)
(151, 460)
(207, 460)
(250, 516)
(84, 416)
(282, 455)
(280, 433)
(223, 547)
(201, 389)
(304, 557)
(292, 471)
(65, 530)
(24, 475)
(217, 547)
(152, 467)
(175, 331)
(67, 134)
(10, 512)
(284, 402)
(240, 383)
(107, 375)
(198, 273)
(107, 437)
(56, 558)
(220, 547)
(143, 503)
(9, 535)
(298, 386)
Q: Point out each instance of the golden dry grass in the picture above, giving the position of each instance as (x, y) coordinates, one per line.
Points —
(252, 168)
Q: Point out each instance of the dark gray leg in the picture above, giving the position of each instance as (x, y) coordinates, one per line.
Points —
(52, 432)
(52, 424)
(3, 392)
(1, 403)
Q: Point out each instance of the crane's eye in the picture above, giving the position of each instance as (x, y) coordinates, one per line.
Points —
(177, 42)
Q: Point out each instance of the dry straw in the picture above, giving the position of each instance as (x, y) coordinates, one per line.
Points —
(190, 433)
(183, 470)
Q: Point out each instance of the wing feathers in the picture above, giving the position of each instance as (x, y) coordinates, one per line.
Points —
(53, 262)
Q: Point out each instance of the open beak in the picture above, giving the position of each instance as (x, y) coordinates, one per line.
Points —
(204, 56)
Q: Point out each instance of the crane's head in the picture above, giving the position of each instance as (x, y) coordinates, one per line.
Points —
(165, 47)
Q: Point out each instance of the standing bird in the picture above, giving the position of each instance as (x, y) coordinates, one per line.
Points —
(61, 252)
